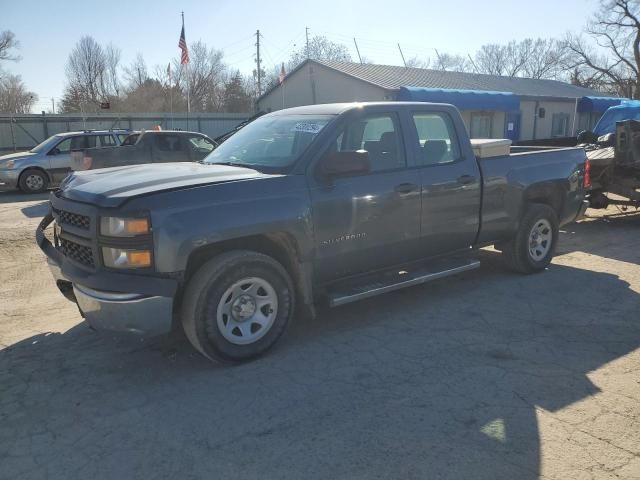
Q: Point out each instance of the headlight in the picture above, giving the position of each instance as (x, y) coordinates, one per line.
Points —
(124, 227)
(126, 258)
(9, 164)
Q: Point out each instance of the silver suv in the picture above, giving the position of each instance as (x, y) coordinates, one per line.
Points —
(47, 164)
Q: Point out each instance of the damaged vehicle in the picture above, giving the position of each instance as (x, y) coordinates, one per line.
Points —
(316, 204)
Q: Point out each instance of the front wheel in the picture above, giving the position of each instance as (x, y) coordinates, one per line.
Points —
(33, 181)
(237, 305)
(533, 246)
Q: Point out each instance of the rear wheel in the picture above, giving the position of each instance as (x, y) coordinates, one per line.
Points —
(533, 246)
(33, 181)
(237, 306)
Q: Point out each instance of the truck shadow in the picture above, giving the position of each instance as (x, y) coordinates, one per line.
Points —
(602, 234)
(16, 196)
(446, 380)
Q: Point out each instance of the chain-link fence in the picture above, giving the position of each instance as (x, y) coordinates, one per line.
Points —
(22, 132)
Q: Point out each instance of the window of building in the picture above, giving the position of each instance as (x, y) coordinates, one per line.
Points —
(481, 124)
(437, 137)
(379, 135)
(560, 125)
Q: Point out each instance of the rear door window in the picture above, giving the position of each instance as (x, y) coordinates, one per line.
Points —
(437, 137)
(168, 143)
(107, 141)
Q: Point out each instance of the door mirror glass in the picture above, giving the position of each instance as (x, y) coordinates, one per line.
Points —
(342, 164)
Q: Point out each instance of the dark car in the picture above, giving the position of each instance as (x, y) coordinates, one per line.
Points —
(323, 203)
(148, 147)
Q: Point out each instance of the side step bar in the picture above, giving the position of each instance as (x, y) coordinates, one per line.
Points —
(398, 281)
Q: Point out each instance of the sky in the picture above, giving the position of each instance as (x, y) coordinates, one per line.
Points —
(48, 30)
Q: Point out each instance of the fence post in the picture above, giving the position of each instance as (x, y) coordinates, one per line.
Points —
(13, 134)
(199, 127)
(45, 128)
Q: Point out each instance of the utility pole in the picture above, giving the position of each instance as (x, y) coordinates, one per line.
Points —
(357, 50)
(473, 63)
(258, 61)
(402, 55)
(53, 105)
(306, 32)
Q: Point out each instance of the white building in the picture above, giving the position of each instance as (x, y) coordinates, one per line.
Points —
(491, 106)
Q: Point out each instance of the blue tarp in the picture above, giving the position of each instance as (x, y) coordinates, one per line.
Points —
(627, 110)
(463, 99)
(597, 104)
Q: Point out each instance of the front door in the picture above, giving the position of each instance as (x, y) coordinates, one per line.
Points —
(450, 181)
(60, 157)
(366, 222)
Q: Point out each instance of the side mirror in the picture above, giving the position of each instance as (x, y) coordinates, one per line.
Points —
(343, 164)
(55, 151)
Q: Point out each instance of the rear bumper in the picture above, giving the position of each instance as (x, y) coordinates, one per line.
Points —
(583, 210)
(9, 178)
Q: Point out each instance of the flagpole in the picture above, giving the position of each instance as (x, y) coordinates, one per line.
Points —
(170, 97)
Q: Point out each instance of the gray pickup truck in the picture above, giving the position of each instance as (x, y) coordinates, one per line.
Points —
(152, 146)
(326, 203)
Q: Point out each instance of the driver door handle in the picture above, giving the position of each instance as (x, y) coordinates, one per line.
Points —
(406, 188)
(466, 179)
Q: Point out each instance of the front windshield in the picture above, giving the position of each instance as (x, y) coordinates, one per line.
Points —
(272, 142)
(45, 146)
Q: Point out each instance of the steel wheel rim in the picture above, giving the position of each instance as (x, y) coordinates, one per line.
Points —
(34, 182)
(540, 239)
(247, 310)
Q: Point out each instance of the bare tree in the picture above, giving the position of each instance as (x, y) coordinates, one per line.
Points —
(206, 77)
(320, 48)
(450, 62)
(14, 96)
(415, 62)
(112, 60)
(8, 42)
(615, 29)
(86, 70)
(136, 73)
(543, 58)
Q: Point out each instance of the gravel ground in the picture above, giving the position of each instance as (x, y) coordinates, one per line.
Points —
(488, 375)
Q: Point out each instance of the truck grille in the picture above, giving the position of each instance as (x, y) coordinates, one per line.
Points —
(73, 219)
(77, 252)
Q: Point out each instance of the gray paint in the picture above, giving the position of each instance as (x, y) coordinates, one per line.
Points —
(193, 206)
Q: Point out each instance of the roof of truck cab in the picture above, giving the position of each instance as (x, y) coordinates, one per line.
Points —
(338, 108)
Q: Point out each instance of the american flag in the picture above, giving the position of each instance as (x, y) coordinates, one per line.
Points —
(282, 74)
(182, 44)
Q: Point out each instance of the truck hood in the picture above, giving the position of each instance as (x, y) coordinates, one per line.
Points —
(110, 187)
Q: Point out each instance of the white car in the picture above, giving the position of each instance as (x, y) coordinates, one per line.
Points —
(47, 164)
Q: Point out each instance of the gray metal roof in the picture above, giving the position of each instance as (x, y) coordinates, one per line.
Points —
(392, 77)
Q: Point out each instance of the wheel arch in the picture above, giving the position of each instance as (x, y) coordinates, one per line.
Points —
(34, 167)
(551, 194)
(280, 246)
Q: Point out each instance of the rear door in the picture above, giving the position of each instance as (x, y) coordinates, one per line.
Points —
(366, 222)
(169, 147)
(450, 183)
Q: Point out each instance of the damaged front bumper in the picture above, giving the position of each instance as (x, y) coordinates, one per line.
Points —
(143, 314)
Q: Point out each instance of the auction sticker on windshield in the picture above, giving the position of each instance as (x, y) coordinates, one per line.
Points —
(307, 127)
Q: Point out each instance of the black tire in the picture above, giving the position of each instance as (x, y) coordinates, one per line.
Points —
(204, 293)
(33, 181)
(517, 252)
